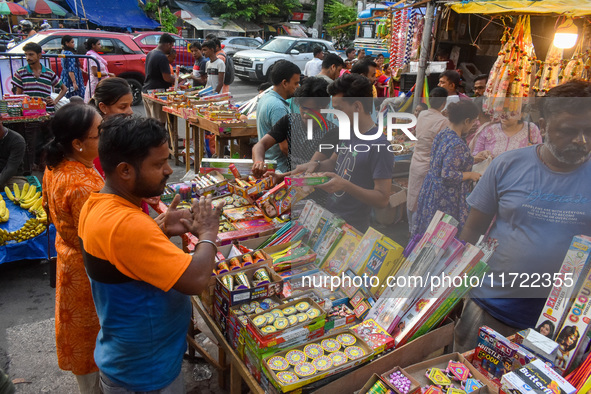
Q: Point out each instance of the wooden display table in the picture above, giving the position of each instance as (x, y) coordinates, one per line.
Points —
(411, 353)
(224, 132)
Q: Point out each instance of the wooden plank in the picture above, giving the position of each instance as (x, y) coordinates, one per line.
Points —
(237, 370)
(411, 353)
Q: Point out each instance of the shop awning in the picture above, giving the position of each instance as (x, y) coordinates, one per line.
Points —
(294, 30)
(557, 7)
(120, 13)
(204, 21)
(248, 26)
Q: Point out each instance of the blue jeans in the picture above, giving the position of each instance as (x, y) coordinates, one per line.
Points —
(176, 387)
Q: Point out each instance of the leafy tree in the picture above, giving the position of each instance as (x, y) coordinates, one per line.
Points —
(339, 14)
(252, 10)
(164, 15)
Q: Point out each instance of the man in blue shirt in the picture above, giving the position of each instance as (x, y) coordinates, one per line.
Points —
(361, 169)
(273, 106)
(541, 197)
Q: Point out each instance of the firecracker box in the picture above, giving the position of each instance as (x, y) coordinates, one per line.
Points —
(208, 295)
(34, 107)
(574, 266)
(415, 386)
(535, 378)
(374, 335)
(371, 383)
(228, 298)
(339, 317)
(496, 355)
(365, 354)
(277, 201)
(246, 234)
(271, 338)
(237, 317)
(418, 371)
(306, 180)
(303, 336)
(261, 185)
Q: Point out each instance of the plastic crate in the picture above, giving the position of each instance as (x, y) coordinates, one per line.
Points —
(32, 179)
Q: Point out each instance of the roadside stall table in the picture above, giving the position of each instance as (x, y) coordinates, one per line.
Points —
(225, 131)
(411, 353)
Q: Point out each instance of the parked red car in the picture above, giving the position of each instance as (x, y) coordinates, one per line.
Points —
(148, 40)
(124, 57)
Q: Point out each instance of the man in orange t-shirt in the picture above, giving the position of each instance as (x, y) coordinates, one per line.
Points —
(140, 280)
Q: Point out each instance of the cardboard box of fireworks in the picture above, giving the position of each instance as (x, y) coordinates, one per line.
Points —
(248, 284)
(237, 316)
(304, 364)
(248, 186)
(432, 370)
(207, 296)
(291, 320)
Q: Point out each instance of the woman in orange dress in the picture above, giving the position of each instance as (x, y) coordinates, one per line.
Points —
(69, 179)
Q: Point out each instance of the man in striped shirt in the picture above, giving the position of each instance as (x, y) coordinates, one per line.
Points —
(35, 80)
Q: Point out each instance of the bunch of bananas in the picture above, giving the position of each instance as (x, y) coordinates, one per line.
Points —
(27, 198)
(4, 212)
(32, 228)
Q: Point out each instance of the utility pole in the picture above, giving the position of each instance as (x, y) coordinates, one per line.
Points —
(319, 17)
(425, 44)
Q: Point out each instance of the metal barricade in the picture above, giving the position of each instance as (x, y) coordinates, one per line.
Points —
(53, 62)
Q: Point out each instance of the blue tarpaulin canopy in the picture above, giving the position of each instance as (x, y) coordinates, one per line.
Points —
(121, 13)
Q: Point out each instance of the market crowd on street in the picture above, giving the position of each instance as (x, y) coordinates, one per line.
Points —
(122, 312)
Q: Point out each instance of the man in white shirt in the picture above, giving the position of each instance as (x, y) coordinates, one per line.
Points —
(215, 67)
(314, 66)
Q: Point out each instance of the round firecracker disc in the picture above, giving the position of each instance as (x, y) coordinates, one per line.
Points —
(346, 339)
(270, 317)
(277, 313)
(330, 345)
(268, 329)
(277, 363)
(354, 352)
(287, 377)
(290, 310)
(294, 357)
(302, 317)
(313, 313)
(238, 312)
(281, 323)
(246, 308)
(313, 350)
(264, 305)
(338, 358)
(254, 305)
(305, 369)
(302, 306)
(243, 319)
(258, 309)
(259, 321)
(293, 320)
(322, 363)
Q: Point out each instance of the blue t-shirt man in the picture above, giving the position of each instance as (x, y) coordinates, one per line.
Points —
(360, 162)
(270, 109)
(538, 212)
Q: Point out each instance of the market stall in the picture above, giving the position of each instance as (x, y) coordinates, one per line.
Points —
(266, 318)
(27, 116)
(24, 234)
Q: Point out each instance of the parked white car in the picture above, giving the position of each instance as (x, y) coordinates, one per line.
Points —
(254, 65)
(235, 44)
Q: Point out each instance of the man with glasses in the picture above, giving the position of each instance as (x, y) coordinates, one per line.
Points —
(480, 85)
